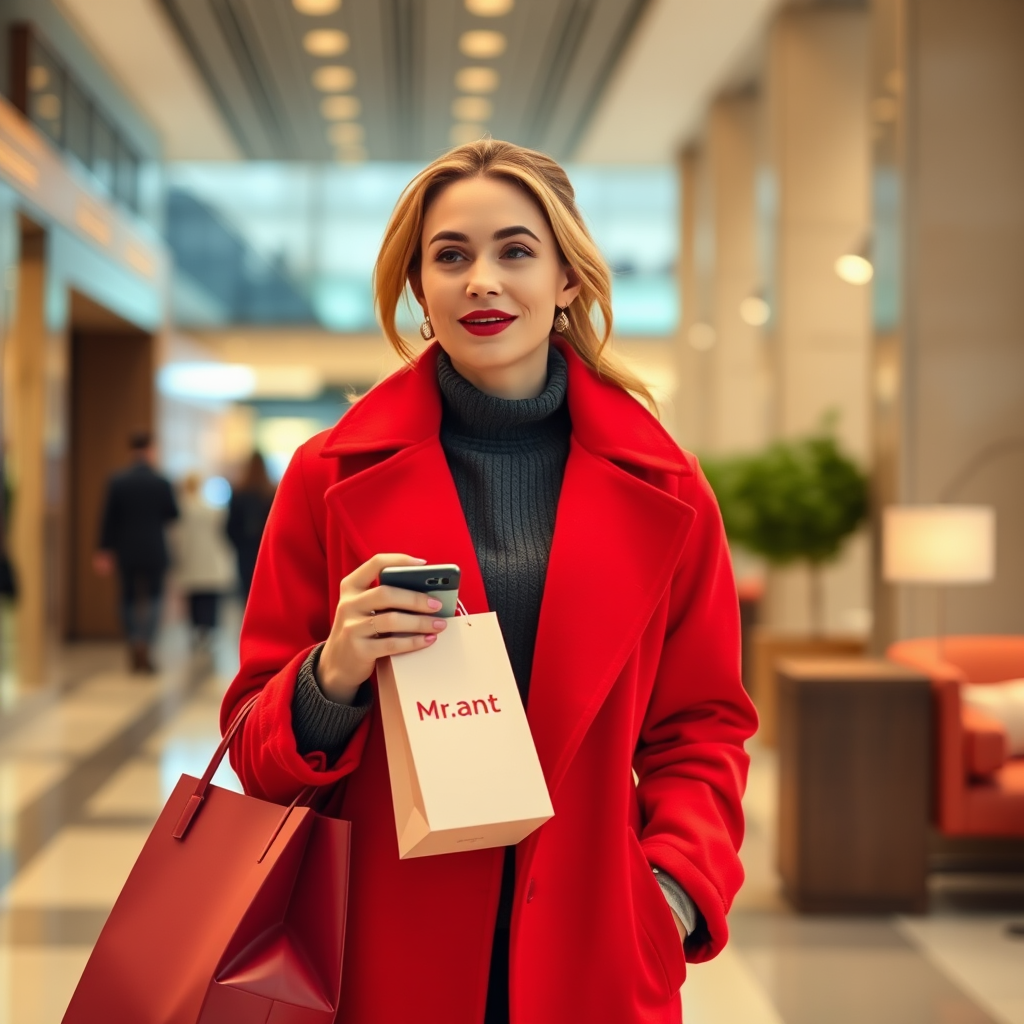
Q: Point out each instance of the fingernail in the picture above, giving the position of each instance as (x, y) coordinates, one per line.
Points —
(422, 561)
(439, 623)
(433, 604)
(430, 638)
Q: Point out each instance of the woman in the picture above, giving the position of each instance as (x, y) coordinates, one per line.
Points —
(247, 517)
(513, 448)
(202, 558)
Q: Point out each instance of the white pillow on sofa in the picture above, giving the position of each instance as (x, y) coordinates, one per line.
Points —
(1002, 701)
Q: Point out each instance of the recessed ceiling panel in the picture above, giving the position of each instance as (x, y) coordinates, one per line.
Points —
(401, 61)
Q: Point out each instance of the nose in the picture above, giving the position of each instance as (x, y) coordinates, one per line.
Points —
(482, 280)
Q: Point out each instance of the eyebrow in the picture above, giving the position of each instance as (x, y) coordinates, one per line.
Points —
(457, 236)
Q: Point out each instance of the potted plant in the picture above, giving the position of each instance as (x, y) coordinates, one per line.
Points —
(797, 501)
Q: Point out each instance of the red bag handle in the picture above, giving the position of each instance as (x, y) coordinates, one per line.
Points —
(199, 794)
(195, 801)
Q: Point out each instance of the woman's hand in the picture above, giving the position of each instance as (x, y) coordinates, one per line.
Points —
(366, 617)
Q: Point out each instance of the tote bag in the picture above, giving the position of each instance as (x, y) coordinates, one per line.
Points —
(234, 913)
(464, 770)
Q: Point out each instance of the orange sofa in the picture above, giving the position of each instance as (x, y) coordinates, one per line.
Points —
(979, 790)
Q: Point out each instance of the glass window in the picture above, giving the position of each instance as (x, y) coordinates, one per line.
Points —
(104, 151)
(45, 92)
(269, 242)
(126, 186)
(77, 127)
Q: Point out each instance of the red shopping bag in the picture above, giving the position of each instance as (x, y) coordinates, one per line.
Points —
(233, 913)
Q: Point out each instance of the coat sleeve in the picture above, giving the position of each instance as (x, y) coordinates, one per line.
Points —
(289, 612)
(690, 761)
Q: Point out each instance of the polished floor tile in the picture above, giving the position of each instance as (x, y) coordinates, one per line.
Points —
(980, 954)
(134, 791)
(24, 778)
(81, 867)
(36, 983)
(725, 990)
(94, 766)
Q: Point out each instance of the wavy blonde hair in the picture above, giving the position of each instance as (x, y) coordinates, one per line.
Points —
(549, 187)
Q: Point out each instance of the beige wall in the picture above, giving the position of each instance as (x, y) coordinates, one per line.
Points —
(815, 206)
(952, 365)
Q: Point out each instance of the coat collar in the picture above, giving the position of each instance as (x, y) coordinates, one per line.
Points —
(612, 524)
(405, 409)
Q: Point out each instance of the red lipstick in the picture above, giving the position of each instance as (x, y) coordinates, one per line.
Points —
(483, 322)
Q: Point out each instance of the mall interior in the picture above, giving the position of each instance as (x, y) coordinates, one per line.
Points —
(814, 216)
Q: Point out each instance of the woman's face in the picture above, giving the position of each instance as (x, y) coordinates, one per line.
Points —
(490, 280)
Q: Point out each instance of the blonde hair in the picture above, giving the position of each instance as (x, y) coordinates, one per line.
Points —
(548, 185)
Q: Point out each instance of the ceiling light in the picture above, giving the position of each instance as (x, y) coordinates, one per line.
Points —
(465, 132)
(340, 108)
(854, 269)
(701, 337)
(38, 77)
(476, 80)
(334, 78)
(755, 311)
(316, 7)
(325, 42)
(346, 133)
(472, 108)
(489, 8)
(482, 44)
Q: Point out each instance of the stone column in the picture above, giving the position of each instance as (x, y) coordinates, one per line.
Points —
(813, 197)
(947, 82)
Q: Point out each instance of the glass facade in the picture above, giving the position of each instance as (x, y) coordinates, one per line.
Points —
(62, 109)
(293, 243)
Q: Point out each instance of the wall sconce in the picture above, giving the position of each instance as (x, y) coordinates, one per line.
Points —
(855, 267)
(755, 311)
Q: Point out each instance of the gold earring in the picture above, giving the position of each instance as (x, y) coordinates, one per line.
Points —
(426, 329)
(562, 320)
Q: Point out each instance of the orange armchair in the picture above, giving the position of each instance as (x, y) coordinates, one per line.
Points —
(979, 791)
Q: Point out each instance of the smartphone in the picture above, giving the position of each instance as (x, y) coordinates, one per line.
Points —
(437, 581)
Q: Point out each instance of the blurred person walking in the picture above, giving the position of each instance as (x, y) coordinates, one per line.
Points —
(247, 516)
(139, 504)
(202, 559)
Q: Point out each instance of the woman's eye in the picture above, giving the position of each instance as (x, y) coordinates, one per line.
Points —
(448, 256)
(517, 252)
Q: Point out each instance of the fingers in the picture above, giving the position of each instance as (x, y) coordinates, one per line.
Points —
(402, 644)
(379, 599)
(363, 577)
(400, 622)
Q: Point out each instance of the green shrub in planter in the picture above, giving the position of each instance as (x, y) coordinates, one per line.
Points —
(797, 501)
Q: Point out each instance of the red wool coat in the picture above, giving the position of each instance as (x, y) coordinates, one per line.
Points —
(636, 667)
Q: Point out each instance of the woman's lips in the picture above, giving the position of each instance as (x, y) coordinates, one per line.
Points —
(486, 321)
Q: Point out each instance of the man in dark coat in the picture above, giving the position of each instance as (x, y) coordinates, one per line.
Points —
(139, 505)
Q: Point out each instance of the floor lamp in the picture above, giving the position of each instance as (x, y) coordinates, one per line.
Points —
(939, 545)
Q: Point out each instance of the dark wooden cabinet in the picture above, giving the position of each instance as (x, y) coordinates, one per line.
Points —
(854, 775)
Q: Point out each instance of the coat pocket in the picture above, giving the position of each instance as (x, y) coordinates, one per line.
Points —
(656, 927)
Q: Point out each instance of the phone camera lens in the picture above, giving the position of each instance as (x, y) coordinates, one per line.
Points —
(445, 581)
(433, 581)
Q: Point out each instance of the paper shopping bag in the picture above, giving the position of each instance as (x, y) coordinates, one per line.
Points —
(464, 770)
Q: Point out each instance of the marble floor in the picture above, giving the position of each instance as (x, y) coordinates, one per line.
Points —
(86, 765)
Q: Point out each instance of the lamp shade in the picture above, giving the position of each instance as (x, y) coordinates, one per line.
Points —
(939, 544)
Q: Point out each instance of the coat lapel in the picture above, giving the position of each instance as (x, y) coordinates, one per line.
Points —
(616, 544)
(617, 537)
